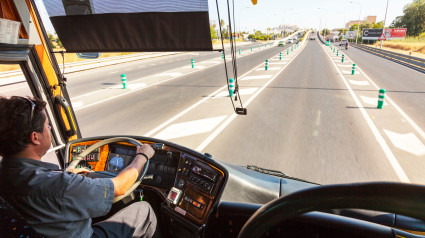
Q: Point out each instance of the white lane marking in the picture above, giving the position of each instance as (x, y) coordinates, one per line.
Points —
(361, 83)
(216, 132)
(13, 89)
(277, 63)
(193, 53)
(77, 104)
(345, 60)
(267, 76)
(389, 154)
(318, 118)
(371, 101)
(196, 67)
(345, 65)
(270, 68)
(114, 72)
(156, 129)
(170, 74)
(407, 142)
(389, 100)
(349, 72)
(245, 91)
(212, 62)
(190, 128)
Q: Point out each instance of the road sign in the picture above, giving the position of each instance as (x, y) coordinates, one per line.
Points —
(382, 37)
(371, 34)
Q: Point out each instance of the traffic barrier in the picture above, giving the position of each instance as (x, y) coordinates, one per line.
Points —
(231, 87)
(342, 58)
(381, 98)
(292, 48)
(353, 70)
(222, 55)
(280, 56)
(337, 53)
(267, 64)
(124, 81)
(193, 63)
(334, 49)
(251, 49)
(239, 51)
(287, 52)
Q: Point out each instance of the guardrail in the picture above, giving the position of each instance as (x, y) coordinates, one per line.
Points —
(320, 38)
(412, 62)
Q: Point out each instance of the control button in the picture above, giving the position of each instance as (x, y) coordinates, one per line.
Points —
(180, 183)
(157, 179)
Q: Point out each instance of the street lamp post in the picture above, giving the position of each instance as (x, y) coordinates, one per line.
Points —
(383, 27)
(326, 17)
(284, 20)
(240, 10)
(360, 13)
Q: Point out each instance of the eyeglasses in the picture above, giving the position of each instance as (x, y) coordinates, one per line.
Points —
(32, 108)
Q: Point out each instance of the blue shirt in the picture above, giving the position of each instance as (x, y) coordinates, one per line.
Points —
(53, 202)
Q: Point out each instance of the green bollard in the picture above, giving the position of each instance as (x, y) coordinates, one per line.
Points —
(292, 48)
(193, 63)
(334, 49)
(267, 64)
(287, 52)
(239, 51)
(251, 49)
(231, 87)
(342, 59)
(124, 81)
(353, 69)
(222, 55)
(337, 52)
(280, 56)
(381, 98)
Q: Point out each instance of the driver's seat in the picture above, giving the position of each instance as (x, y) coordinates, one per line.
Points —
(12, 224)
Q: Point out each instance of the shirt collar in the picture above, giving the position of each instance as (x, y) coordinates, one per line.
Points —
(24, 162)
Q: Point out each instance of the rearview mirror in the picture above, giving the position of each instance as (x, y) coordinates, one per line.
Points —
(88, 55)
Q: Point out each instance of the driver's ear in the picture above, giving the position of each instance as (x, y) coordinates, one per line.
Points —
(34, 138)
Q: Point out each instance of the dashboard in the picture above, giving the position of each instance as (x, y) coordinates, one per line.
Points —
(190, 183)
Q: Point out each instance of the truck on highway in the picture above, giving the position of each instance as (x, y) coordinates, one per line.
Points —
(192, 194)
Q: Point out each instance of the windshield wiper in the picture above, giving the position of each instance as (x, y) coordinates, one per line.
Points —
(274, 173)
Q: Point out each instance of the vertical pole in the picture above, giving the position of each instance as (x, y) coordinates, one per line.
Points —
(385, 19)
(353, 69)
(193, 63)
(231, 87)
(124, 81)
(381, 98)
(267, 64)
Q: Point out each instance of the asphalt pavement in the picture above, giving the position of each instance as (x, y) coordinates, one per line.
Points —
(307, 115)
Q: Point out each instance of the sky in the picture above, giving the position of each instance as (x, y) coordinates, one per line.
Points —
(316, 14)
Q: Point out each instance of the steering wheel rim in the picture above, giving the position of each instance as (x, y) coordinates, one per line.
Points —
(87, 151)
(398, 198)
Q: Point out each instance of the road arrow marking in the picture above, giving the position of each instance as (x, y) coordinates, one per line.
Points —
(267, 76)
(190, 128)
(361, 83)
(407, 142)
(371, 101)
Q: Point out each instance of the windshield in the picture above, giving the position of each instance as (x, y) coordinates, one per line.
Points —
(316, 110)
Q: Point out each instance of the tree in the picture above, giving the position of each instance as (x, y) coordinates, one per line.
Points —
(213, 31)
(59, 42)
(51, 40)
(378, 25)
(250, 36)
(413, 18)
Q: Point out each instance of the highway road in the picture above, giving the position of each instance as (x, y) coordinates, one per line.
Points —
(307, 115)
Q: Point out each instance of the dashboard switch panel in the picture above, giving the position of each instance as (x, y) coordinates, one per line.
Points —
(174, 195)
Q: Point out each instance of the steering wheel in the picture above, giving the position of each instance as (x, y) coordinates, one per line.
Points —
(398, 198)
(77, 160)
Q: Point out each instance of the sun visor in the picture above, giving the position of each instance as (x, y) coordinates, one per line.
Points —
(131, 25)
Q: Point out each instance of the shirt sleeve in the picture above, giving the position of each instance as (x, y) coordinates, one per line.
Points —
(85, 197)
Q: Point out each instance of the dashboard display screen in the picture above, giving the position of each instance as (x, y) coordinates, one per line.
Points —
(119, 158)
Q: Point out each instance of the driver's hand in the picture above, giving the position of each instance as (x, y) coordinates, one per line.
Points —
(146, 149)
(79, 171)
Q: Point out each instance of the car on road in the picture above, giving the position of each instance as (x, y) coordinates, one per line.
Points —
(253, 40)
(290, 40)
(281, 43)
(312, 37)
(343, 42)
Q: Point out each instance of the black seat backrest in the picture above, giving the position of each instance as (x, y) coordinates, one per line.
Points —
(12, 224)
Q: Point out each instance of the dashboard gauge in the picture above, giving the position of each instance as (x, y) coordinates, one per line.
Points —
(116, 163)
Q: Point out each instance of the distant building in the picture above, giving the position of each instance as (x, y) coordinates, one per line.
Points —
(368, 19)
